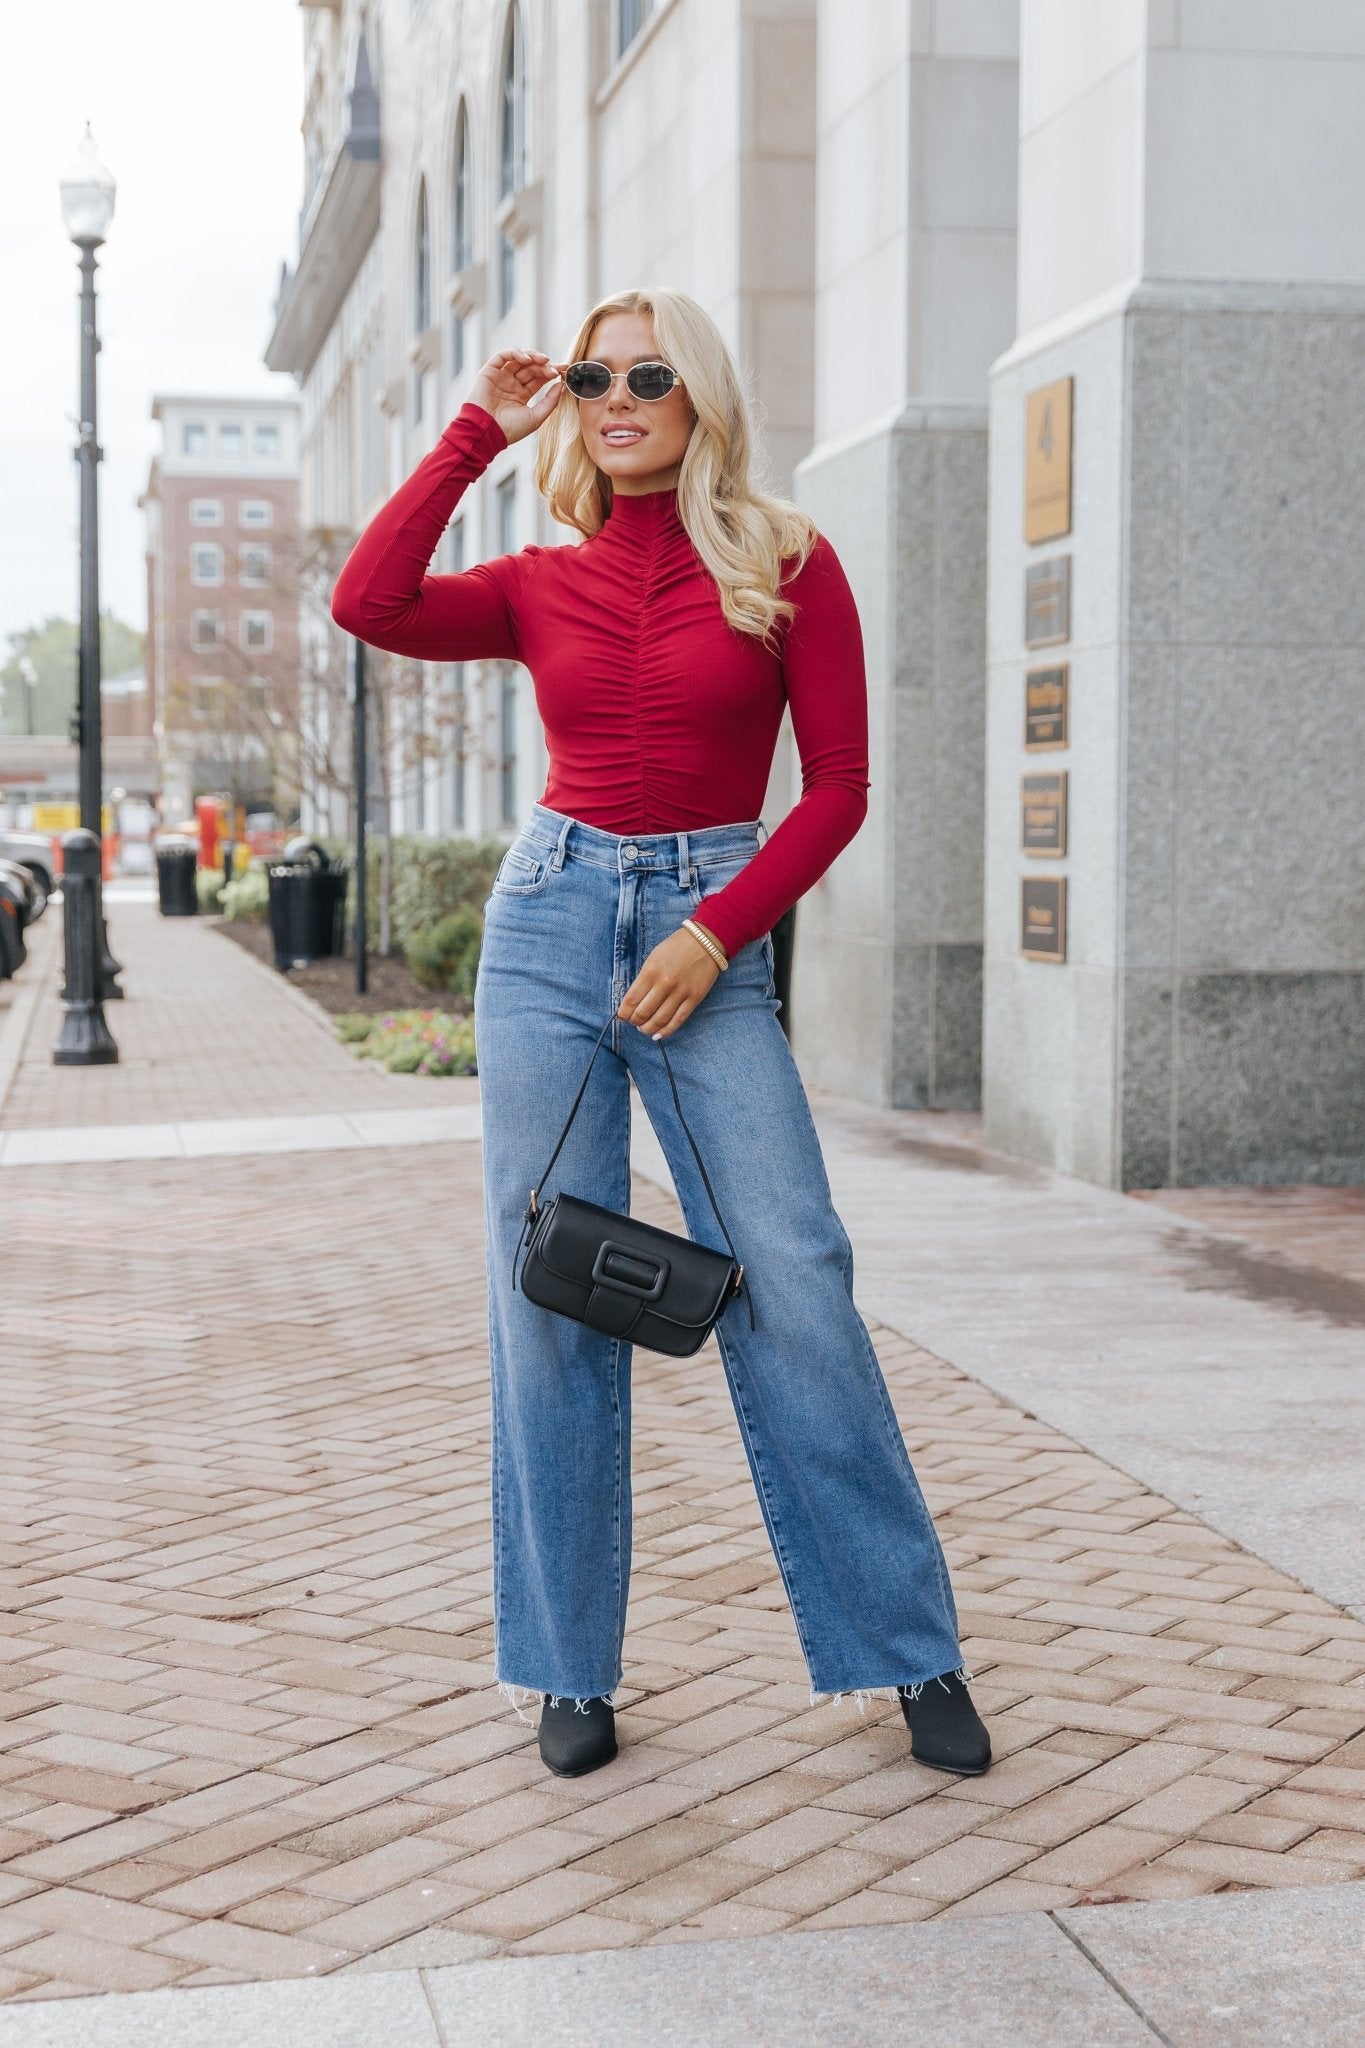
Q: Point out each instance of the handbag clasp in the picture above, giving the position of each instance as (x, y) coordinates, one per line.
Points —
(627, 1270)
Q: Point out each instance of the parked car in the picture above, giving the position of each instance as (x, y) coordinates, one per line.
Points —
(17, 897)
(34, 852)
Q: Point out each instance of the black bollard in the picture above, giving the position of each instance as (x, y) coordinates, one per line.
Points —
(85, 1039)
(109, 966)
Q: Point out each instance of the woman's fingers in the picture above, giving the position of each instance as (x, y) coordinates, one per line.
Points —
(676, 1021)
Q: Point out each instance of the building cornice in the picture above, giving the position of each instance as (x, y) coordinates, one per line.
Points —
(337, 230)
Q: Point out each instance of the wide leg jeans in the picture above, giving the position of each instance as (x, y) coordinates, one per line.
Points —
(572, 915)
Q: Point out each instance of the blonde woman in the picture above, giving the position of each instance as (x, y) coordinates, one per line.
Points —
(643, 888)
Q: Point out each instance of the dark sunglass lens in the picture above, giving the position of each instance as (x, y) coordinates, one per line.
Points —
(587, 380)
(651, 380)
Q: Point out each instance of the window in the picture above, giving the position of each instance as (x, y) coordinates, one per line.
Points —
(206, 697)
(255, 564)
(194, 438)
(460, 775)
(265, 440)
(255, 512)
(507, 515)
(462, 218)
(419, 749)
(509, 746)
(258, 696)
(257, 631)
(206, 562)
(421, 291)
(631, 16)
(455, 534)
(511, 150)
(206, 511)
(231, 440)
(206, 629)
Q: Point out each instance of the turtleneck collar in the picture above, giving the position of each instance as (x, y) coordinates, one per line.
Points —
(647, 512)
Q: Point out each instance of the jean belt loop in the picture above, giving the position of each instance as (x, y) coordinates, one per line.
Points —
(561, 845)
(684, 875)
(762, 832)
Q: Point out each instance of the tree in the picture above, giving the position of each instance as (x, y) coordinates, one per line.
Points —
(419, 715)
(47, 705)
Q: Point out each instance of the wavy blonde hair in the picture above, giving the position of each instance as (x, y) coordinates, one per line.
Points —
(746, 537)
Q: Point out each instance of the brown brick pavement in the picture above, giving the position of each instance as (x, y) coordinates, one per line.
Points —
(1323, 1228)
(202, 1033)
(250, 1726)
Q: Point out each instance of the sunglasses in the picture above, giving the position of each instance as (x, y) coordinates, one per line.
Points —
(649, 381)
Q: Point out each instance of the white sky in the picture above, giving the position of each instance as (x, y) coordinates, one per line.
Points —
(196, 113)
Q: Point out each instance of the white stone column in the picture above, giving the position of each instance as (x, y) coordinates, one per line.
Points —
(915, 184)
(1192, 256)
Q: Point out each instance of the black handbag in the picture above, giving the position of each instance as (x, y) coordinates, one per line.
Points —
(618, 1275)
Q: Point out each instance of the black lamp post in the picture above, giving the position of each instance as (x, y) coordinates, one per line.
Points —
(87, 207)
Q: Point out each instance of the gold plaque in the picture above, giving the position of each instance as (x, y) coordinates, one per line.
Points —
(1047, 707)
(1042, 917)
(1047, 469)
(1042, 814)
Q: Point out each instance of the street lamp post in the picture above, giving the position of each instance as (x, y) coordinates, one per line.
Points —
(88, 207)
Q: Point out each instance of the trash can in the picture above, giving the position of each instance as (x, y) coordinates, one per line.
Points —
(176, 861)
(307, 905)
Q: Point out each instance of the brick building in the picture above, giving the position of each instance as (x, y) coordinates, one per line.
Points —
(222, 599)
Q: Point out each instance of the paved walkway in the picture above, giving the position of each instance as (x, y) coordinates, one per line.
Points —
(201, 1034)
(251, 1730)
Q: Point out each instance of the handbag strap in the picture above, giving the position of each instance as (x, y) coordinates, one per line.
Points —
(531, 1207)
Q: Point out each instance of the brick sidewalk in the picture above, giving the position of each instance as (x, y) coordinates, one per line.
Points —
(1318, 1228)
(204, 1031)
(251, 1730)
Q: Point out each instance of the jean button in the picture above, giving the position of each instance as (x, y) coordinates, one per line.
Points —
(630, 851)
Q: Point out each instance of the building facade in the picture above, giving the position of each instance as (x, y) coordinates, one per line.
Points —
(223, 568)
(1019, 287)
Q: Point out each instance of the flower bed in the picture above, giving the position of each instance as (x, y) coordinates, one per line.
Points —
(412, 1041)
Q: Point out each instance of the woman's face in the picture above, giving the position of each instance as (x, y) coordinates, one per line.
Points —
(649, 456)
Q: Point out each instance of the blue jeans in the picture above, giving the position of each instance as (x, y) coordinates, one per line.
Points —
(573, 913)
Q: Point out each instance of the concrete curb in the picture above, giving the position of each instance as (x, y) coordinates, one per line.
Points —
(1252, 1970)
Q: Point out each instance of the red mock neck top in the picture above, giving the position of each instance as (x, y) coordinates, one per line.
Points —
(658, 715)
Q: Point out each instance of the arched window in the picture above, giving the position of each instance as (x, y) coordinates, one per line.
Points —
(421, 292)
(421, 266)
(511, 147)
(462, 228)
(462, 209)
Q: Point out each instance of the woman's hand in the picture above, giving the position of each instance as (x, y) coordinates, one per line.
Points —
(520, 387)
(670, 985)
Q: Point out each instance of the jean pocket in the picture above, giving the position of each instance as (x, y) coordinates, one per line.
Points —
(525, 868)
(710, 879)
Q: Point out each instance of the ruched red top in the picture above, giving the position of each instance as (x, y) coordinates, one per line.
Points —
(658, 715)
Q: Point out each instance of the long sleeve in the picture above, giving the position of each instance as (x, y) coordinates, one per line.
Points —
(826, 682)
(384, 595)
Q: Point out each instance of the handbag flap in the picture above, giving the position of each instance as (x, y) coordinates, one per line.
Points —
(571, 1236)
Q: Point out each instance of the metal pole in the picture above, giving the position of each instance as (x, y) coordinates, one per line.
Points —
(85, 1039)
(89, 455)
(362, 804)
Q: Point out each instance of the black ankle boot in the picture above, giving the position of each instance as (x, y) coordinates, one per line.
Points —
(576, 1735)
(946, 1731)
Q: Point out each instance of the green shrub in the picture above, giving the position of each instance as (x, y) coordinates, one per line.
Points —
(431, 879)
(447, 956)
(353, 1027)
(248, 896)
(413, 1041)
(208, 888)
